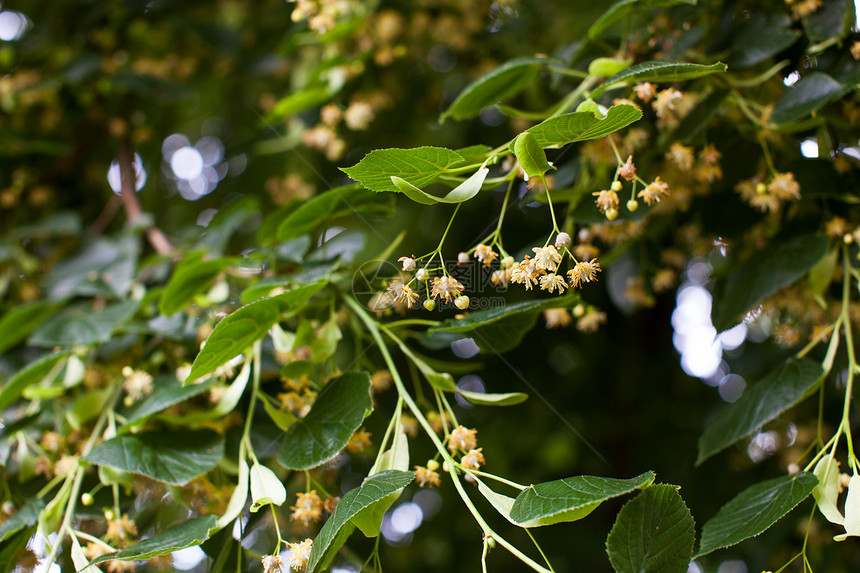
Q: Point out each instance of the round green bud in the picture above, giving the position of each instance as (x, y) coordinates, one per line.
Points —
(611, 213)
(429, 304)
(632, 205)
(605, 67)
(616, 186)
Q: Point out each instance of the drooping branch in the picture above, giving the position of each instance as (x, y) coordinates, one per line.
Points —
(128, 194)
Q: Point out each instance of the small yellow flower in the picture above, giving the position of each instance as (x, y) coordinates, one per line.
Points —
(525, 273)
(122, 529)
(628, 170)
(556, 317)
(308, 508)
(485, 254)
(299, 554)
(645, 91)
(408, 263)
(473, 460)
(462, 439)
(272, 563)
(359, 441)
(607, 200)
(552, 282)
(402, 293)
(427, 477)
(546, 258)
(654, 191)
(681, 156)
(584, 272)
(666, 101)
(137, 383)
(784, 187)
(591, 321)
(445, 287)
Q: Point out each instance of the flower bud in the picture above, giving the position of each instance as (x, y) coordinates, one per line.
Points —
(408, 263)
(562, 240)
(432, 465)
(508, 262)
(463, 258)
(462, 302)
(616, 186)
(429, 304)
(578, 311)
(761, 188)
(87, 498)
(611, 213)
(632, 205)
(422, 275)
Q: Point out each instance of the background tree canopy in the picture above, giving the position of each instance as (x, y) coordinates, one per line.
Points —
(444, 272)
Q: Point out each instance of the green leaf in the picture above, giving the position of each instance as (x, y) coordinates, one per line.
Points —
(11, 548)
(583, 125)
(192, 277)
(570, 499)
(111, 262)
(653, 533)
(664, 71)
(88, 406)
(237, 498)
(20, 320)
(187, 534)
(266, 488)
(826, 493)
(488, 399)
(806, 97)
(500, 84)
(30, 374)
(235, 333)
(821, 274)
(26, 516)
(336, 414)
(160, 455)
(463, 192)
(281, 418)
(754, 510)
(298, 101)
(369, 520)
(81, 326)
(625, 7)
(530, 155)
(764, 34)
(325, 342)
(501, 329)
(168, 391)
(762, 402)
(371, 490)
(419, 166)
(763, 274)
(832, 20)
(334, 205)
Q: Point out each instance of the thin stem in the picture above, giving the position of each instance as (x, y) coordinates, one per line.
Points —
(513, 484)
(542, 554)
(277, 529)
(128, 194)
(401, 389)
(78, 481)
(849, 347)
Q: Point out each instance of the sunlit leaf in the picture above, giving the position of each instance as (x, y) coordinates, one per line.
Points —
(238, 331)
(192, 276)
(498, 85)
(571, 498)
(337, 413)
(369, 520)
(530, 155)
(167, 392)
(334, 205)
(624, 7)
(266, 488)
(160, 455)
(237, 498)
(653, 533)
(463, 192)
(763, 35)
(26, 516)
(371, 490)
(662, 71)
(754, 510)
(759, 404)
(419, 166)
(808, 95)
(186, 534)
(19, 321)
(583, 125)
(30, 374)
(763, 274)
(80, 325)
(501, 329)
